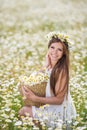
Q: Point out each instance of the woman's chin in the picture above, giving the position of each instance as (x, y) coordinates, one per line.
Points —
(54, 59)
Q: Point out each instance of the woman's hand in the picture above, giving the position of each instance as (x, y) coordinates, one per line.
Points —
(48, 61)
(28, 93)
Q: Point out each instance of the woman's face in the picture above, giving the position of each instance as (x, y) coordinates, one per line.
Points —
(55, 51)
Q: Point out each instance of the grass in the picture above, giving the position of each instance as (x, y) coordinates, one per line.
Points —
(23, 27)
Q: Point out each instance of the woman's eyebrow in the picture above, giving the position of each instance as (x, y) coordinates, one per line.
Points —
(59, 48)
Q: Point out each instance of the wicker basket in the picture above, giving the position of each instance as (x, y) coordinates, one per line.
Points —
(38, 89)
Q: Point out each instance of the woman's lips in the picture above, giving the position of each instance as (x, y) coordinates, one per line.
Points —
(54, 57)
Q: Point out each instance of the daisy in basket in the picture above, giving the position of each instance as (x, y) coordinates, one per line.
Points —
(36, 82)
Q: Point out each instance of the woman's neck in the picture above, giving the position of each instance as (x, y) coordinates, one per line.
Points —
(50, 67)
(53, 64)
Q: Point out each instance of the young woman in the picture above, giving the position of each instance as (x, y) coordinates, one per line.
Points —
(57, 90)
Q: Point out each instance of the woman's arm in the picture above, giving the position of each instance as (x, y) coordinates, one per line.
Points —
(50, 100)
(47, 63)
(45, 100)
(60, 89)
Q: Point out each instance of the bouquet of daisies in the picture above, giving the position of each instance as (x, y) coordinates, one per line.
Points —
(36, 82)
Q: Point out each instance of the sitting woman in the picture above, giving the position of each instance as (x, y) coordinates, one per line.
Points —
(58, 98)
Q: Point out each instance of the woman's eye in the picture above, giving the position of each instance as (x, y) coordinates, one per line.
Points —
(52, 47)
(59, 49)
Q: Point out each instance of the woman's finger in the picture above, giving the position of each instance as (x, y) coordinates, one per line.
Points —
(25, 88)
(29, 91)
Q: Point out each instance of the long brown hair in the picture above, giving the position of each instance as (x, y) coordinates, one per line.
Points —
(61, 66)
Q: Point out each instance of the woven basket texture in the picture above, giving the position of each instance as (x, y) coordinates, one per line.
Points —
(38, 89)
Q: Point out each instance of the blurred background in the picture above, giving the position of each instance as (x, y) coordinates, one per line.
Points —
(24, 25)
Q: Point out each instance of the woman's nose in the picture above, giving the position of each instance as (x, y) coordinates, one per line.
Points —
(55, 51)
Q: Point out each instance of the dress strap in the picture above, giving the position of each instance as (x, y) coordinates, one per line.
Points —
(48, 72)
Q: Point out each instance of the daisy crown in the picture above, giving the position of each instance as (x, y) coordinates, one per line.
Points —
(62, 36)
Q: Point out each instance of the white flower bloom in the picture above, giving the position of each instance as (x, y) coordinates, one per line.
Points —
(7, 109)
(18, 123)
(8, 120)
(35, 128)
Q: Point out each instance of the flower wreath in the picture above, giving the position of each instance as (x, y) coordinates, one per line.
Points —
(63, 37)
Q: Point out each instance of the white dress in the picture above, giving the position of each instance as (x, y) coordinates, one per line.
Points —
(49, 113)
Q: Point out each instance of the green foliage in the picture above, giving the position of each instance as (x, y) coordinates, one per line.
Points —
(23, 26)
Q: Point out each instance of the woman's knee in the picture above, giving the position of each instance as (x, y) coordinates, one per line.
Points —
(21, 112)
(24, 110)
